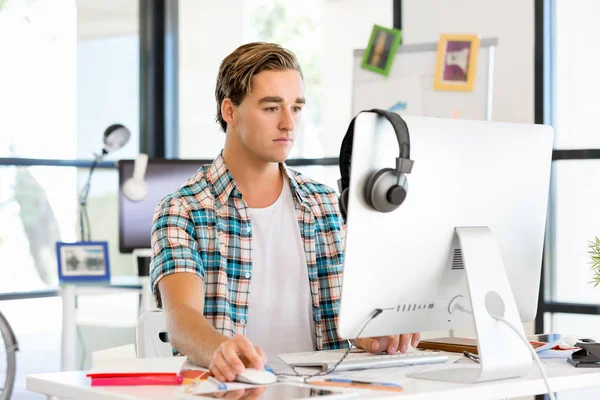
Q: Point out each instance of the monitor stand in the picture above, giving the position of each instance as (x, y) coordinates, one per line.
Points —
(502, 353)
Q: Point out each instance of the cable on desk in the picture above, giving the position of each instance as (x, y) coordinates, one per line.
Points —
(370, 318)
(531, 350)
(524, 339)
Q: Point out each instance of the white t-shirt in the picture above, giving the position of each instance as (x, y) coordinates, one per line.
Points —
(280, 305)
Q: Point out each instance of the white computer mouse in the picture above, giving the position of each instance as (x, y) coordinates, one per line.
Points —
(256, 377)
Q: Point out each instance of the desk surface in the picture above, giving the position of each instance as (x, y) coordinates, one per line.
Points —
(563, 376)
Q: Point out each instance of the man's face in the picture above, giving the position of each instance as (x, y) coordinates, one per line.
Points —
(269, 117)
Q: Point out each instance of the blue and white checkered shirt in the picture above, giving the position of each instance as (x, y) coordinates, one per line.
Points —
(204, 228)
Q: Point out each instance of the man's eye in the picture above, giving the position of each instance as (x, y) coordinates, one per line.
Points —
(271, 109)
(296, 109)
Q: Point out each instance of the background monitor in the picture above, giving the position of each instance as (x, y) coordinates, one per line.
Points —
(465, 174)
(135, 217)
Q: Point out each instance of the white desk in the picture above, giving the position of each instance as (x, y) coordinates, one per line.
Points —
(69, 294)
(563, 376)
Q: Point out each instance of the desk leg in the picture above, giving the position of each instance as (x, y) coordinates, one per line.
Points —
(69, 344)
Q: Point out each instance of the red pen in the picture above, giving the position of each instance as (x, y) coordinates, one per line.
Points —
(138, 380)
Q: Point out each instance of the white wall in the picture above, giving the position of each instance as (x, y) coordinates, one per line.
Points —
(511, 21)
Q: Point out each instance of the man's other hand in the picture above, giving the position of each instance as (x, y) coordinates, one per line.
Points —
(389, 344)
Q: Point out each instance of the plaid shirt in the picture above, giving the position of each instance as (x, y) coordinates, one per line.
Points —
(204, 228)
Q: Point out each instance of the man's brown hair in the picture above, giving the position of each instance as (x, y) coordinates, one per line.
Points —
(238, 68)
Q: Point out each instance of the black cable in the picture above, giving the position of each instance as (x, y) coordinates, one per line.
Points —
(321, 373)
(81, 224)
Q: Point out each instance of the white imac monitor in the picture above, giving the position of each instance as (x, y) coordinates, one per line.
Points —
(470, 232)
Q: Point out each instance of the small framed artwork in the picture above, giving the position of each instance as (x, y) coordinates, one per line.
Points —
(82, 262)
(456, 62)
(380, 52)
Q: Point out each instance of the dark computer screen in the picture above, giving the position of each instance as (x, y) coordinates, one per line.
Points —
(162, 178)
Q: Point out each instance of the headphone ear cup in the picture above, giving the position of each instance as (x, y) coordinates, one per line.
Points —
(344, 203)
(386, 190)
(135, 189)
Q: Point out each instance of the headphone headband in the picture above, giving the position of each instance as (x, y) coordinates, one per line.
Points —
(403, 162)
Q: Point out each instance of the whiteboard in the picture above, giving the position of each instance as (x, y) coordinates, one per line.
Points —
(408, 89)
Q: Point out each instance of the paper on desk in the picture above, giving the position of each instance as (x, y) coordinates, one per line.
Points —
(555, 353)
(121, 352)
(122, 361)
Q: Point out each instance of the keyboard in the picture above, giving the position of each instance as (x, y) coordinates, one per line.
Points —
(356, 361)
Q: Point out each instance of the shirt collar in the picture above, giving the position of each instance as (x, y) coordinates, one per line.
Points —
(224, 185)
(222, 181)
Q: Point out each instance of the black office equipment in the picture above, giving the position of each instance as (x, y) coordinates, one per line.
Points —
(135, 217)
(587, 357)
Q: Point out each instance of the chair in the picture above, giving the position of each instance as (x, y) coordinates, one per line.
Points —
(151, 336)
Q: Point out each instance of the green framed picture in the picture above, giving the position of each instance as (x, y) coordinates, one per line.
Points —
(380, 52)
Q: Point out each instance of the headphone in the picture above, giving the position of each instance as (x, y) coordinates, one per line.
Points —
(386, 189)
(135, 188)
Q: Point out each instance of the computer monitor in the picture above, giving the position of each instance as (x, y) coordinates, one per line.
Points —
(413, 263)
(135, 217)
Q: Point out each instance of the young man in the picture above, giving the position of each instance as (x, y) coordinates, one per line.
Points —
(248, 254)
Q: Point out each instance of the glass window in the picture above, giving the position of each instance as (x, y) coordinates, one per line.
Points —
(38, 207)
(108, 77)
(297, 27)
(70, 69)
(576, 88)
(37, 77)
(323, 35)
(577, 221)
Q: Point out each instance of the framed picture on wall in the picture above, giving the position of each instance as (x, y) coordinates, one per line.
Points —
(81, 262)
(381, 50)
(456, 62)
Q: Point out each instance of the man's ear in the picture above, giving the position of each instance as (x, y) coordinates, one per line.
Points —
(228, 111)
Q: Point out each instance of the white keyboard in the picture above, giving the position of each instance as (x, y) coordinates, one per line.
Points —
(369, 361)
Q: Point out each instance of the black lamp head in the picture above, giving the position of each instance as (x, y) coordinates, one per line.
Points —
(115, 137)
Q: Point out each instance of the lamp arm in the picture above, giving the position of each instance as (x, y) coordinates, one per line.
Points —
(83, 195)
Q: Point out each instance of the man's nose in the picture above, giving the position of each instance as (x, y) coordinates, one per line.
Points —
(287, 121)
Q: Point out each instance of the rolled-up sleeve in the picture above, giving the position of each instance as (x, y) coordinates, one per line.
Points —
(174, 244)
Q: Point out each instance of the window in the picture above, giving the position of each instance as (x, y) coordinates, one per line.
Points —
(323, 35)
(568, 104)
(297, 27)
(37, 43)
(573, 111)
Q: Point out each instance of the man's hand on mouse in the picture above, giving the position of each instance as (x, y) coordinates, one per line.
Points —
(232, 356)
(390, 344)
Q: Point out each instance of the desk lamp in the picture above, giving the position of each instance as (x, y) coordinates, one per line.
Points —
(115, 137)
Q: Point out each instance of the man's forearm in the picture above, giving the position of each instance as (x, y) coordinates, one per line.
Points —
(191, 334)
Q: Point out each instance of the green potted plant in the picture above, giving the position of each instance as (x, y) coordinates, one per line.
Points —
(594, 250)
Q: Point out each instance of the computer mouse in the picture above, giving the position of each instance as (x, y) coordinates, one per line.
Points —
(256, 377)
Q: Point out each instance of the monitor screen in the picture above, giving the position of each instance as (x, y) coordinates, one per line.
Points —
(135, 218)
